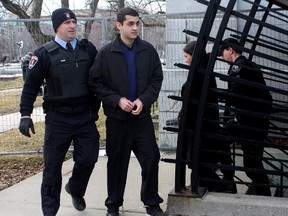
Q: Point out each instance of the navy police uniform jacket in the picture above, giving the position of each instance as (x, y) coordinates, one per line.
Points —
(259, 98)
(65, 74)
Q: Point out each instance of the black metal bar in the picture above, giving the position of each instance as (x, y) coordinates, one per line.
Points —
(177, 98)
(168, 160)
(249, 83)
(285, 6)
(190, 136)
(271, 10)
(256, 21)
(196, 63)
(171, 129)
(243, 49)
(200, 45)
(249, 22)
(255, 42)
(183, 66)
(278, 44)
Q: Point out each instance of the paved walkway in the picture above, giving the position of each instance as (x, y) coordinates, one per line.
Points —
(23, 199)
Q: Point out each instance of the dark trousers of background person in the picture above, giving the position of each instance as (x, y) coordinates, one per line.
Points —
(61, 129)
(123, 136)
(24, 74)
(252, 155)
(255, 162)
(218, 152)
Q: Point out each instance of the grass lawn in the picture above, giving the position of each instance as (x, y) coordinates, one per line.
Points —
(14, 165)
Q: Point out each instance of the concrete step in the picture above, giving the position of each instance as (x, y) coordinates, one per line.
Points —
(220, 204)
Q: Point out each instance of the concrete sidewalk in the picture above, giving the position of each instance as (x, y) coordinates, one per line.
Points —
(23, 199)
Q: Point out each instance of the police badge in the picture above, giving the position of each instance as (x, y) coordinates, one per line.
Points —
(67, 14)
(33, 62)
(236, 68)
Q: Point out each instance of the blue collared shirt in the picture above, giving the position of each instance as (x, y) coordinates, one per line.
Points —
(63, 43)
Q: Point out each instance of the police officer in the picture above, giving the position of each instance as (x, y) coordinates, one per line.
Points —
(71, 110)
(252, 99)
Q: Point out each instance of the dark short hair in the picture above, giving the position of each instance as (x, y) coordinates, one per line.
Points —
(189, 48)
(126, 11)
(224, 46)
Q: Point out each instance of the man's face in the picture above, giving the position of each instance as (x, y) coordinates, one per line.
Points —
(67, 30)
(129, 29)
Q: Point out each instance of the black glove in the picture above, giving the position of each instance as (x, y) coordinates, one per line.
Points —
(25, 125)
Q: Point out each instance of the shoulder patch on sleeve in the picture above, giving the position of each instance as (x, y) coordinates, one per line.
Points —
(33, 62)
(236, 68)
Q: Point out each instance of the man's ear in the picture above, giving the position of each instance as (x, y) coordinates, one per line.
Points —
(118, 25)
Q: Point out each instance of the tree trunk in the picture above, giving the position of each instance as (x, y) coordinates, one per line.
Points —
(32, 27)
(65, 3)
(88, 24)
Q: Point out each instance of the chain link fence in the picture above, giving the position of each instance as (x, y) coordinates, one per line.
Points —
(18, 38)
(164, 32)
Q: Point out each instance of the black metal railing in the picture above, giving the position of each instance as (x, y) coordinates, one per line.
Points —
(257, 40)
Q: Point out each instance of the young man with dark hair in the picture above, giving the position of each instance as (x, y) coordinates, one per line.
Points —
(127, 77)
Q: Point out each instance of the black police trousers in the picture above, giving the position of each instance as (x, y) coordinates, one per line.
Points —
(255, 162)
(61, 130)
(252, 158)
(215, 151)
(135, 135)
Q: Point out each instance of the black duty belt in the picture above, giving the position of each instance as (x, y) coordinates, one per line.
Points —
(66, 109)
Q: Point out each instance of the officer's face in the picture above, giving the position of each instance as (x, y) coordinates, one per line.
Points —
(67, 30)
(130, 27)
(227, 54)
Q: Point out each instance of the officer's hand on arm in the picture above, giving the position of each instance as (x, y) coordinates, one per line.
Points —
(138, 106)
(26, 123)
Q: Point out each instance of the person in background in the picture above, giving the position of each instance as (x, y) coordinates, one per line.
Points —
(210, 115)
(127, 76)
(71, 110)
(24, 64)
(248, 126)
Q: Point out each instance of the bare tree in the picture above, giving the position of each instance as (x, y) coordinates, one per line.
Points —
(31, 9)
(116, 5)
(65, 3)
(148, 6)
(20, 9)
(88, 24)
(142, 6)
